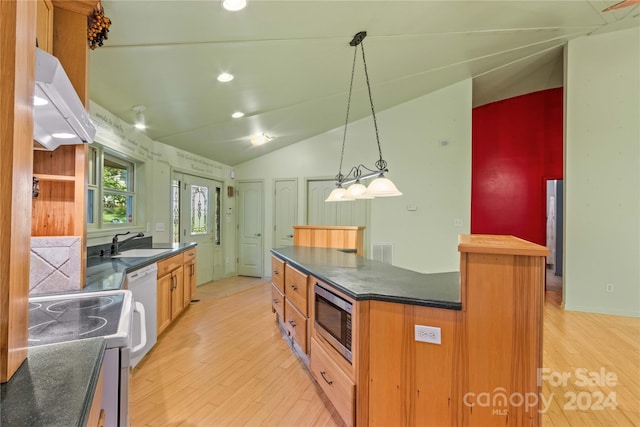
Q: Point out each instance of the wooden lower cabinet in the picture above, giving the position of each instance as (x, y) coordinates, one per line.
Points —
(174, 287)
(177, 292)
(189, 267)
(277, 273)
(412, 383)
(290, 301)
(277, 302)
(164, 302)
(337, 385)
(295, 323)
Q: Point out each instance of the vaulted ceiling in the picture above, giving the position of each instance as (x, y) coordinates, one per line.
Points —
(292, 61)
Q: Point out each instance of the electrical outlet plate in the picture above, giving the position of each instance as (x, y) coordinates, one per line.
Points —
(429, 334)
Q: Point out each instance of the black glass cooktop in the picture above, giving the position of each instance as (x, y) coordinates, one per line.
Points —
(75, 318)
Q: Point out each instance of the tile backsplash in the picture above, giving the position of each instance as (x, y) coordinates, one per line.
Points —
(55, 264)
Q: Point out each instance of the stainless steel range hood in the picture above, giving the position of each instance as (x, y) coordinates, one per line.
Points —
(59, 117)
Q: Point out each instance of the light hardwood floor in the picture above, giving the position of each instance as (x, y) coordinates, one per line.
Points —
(224, 362)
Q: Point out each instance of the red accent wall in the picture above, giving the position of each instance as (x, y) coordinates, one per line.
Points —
(516, 146)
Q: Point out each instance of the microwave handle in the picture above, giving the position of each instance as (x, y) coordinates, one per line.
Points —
(139, 308)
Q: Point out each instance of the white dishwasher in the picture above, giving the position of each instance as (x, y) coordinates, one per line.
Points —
(143, 285)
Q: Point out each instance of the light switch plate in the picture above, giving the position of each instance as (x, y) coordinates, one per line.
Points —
(429, 334)
(159, 226)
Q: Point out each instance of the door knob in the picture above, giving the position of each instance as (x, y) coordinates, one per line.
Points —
(290, 236)
(257, 234)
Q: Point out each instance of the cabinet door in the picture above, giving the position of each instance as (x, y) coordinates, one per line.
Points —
(277, 303)
(295, 289)
(277, 273)
(189, 282)
(334, 382)
(164, 302)
(412, 382)
(295, 323)
(177, 292)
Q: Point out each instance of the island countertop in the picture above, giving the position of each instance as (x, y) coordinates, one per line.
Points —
(365, 279)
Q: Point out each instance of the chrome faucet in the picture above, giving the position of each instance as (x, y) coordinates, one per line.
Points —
(115, 244)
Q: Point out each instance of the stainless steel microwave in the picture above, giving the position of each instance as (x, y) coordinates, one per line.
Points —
(332, 320)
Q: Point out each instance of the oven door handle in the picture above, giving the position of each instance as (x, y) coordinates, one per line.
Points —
(139, 308)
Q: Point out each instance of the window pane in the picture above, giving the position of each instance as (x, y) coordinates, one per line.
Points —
(199, 209)
(93, 162)
(90, 202)
(116, 175)
(117, 208)
(175, 209)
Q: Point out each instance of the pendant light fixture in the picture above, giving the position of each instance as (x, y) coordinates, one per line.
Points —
(380, 186)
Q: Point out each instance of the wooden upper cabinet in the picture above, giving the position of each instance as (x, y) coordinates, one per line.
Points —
(44, 28)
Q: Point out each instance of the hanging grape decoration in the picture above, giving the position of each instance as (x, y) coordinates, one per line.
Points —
(98, 27)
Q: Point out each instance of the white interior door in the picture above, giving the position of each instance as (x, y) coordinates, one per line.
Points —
(285, 211)
(199, 220)
(320, 212)
(250, 214)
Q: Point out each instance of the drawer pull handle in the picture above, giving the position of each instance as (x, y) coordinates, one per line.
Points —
(275, 272)
(293, 287)
(275, 301)
(325, 378)
(292, 323)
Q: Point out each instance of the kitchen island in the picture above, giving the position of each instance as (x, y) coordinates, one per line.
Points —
(425, 349)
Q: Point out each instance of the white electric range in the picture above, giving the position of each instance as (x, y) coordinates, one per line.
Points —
(75, 316)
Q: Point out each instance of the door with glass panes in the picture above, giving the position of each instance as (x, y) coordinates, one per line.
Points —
(196, 208)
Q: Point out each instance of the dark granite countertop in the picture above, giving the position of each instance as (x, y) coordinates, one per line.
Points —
(42, 393)
(106, 273)
(365, 279)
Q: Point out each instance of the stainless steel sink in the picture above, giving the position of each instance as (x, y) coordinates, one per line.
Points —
(140, 253)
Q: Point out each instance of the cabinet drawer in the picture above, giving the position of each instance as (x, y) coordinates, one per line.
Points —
(334, 382)
(277, 273)
(296, 289)
(167, 265)
(188, 256)
(277, 302)
(296, 325)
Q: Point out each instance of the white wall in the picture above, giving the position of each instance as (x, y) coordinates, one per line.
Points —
(155, 163)
(433, 176)
(602, 173)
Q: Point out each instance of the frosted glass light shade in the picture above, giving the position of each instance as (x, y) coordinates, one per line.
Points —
(357, 191)
(382, 187)
(339, 195)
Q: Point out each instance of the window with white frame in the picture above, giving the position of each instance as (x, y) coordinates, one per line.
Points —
(111, 193)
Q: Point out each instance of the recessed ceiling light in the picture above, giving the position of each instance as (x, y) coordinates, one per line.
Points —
(225, 77)
(140, 126)
(237, 114)
(234, 5)
(260, 139)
